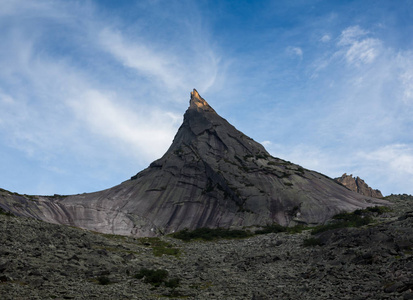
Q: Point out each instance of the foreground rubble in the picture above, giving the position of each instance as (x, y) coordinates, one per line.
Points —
(45, 261)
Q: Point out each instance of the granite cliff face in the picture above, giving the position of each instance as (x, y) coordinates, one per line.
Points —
(358, 185)
(211, 176)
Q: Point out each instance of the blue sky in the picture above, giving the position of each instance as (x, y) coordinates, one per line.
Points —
(92, 91)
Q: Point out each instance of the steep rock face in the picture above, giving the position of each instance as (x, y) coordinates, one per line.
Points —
(358, 185)
(211, 176)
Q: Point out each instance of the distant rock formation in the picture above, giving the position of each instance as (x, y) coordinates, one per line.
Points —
(358, 185)
(211, 176)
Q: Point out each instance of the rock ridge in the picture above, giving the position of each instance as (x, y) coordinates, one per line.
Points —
(358, 185)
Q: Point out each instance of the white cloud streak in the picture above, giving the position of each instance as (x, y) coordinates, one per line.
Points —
(145, 133)
(161, 66)
(358, 49)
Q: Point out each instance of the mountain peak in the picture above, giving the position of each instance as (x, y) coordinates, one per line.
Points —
(199, 103)
(211, 176)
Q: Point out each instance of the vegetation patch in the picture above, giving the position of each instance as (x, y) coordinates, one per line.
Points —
(357, 218)
(160, 247)
(6, 213)
(273, 228)
(210, 234)
(300, 169)
(393, 197)
(379, 209)
(103, 280)
(157, 278)
(276, 228)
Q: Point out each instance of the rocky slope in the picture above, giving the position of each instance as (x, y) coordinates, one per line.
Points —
(211, 176)
(46, 261)
(358, 185)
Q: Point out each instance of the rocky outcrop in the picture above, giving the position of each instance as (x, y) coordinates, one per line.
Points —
(358, 185)
(211, 176)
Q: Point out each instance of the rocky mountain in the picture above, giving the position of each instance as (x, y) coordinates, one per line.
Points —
(39, 260)
(211, 176)
(358, 185)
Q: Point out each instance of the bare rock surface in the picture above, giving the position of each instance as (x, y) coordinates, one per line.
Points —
(212, 176)
(358, 185)
(39, 260)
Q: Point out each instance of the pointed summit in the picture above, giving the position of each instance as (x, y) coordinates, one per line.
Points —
(211, 176)
(199, 103)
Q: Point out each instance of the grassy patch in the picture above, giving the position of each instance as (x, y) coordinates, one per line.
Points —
(276, 228)
(209, 234)
(160, 247)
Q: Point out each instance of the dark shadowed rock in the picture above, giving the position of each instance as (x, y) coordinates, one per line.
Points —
(358, 185)
(211, 176)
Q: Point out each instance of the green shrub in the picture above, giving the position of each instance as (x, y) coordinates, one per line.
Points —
(276, 228)
(379, 209)
(273, 228)
(103, 280)
(160, 247)
(153, 277)
(172, 283)
(157, 277)
(357, 218)
(6, 213)
(209, 234)
(296, 229)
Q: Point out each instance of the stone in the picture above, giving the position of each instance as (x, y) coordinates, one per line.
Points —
(358, 185)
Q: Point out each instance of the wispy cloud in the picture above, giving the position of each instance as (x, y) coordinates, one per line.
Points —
(67, 99)
(325, 38)
(358, 49)
(406, 78)
(145, 133)
(295, 51)
(159, 66)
